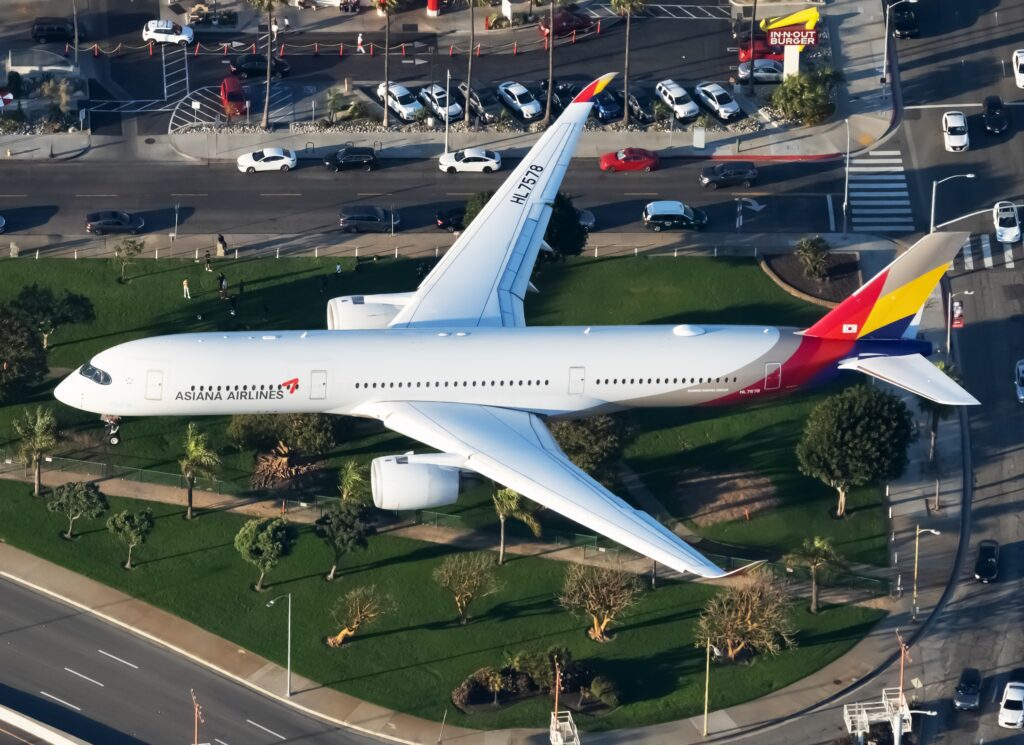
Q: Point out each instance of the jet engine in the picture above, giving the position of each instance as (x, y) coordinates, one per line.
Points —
(415, 482)
(354, 312)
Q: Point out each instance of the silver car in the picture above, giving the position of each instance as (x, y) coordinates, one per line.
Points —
(765, 71)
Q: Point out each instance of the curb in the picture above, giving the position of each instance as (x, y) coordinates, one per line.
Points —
(786, 287)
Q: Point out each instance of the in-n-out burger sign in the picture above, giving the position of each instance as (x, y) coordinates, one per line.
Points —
(793, 36)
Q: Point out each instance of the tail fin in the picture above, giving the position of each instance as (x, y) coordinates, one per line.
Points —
(886, 306)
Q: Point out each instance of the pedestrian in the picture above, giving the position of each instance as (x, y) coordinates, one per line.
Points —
(273, 31)
(222, 245)
(359, 44)
(337, 268)
(222, 286)
(286, 25)
(184, 288)
(209, 266)
(232, 303)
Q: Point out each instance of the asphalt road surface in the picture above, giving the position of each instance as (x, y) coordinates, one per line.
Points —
(104, 685)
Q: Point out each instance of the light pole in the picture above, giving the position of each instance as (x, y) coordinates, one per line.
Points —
(270, 604)
(707, 685)
(949, 320)
(885, 49)
(918, 530)
(846, 190)
(74, 13)
(448, 110)
(935, 184)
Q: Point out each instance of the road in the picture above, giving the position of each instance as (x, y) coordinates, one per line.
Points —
(104, 685)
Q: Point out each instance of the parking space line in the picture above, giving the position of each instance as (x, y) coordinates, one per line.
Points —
(1008, 255)
(268, 731)
(883, 153)
(84, 677)
(831, 214)
(60, 701)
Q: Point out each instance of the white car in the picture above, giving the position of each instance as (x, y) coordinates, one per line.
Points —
(676, 97)
(716, 98)
(519, 99)
(473, 159)
(1007, 222)
(435, 99)
(1011, 707)
(1018, 67)
(401, 101)
(954, 131)
(167, 32)
(268, 159)
(1018, 381)
(765, 71)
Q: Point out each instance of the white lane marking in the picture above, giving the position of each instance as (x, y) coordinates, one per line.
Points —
(882, 185)
(447, 194)
(268, 731)
(944, 106)
(882, 153)
(12, 196)
(84, 677)
(60, 701)
(875, 161)
(878, 219)
(217, 739)
(95, 195)
(831, 214)
(986, 252)
(888, 211)
(968, 256)
(876, 169)
(877, 177)
(904, 194)
(376, 193)
(639, 193)
(186, 194)
(1008, 255)
(282, 194)
(885, 228)
(115, 657)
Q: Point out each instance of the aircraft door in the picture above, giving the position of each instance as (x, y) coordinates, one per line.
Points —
(154, 385)
(318, 387)
(772, 376)
(577, 378)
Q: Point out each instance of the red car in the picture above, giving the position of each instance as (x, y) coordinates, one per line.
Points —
(629, 159)
(762, 50)
(567, 20)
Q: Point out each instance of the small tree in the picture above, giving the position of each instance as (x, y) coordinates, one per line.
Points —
(510, 503)
(808, 97)
(262, 543)
(812, 253)
(126, 251)
(468, 577)
(594, 444)
(77, 499)
(751, 617)
(310, 433)
(199, 460)
(344, 530)
(599, 592)
(359, 607)
(936, 411)
(854, 438)
(22, 357)
(474, 204)
(627, 8)
(335, 103)
(58, 93)
(131, 528)
(352, 482)
(267, 6)
(38, 434)
(44, 312)
(565, 234)
(815, 553)
(494, 681)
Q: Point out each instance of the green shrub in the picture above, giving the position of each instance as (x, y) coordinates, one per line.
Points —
(605, 691)
(14, 84)
(254, 431)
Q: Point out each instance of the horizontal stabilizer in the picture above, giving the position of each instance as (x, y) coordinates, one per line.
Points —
(914, 373)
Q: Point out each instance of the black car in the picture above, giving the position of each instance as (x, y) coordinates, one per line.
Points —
(904, 23)
(562, 95)
(113, 221)
(967, 696)
(641, 106)
(997, 120)
(363, 158)
(729, 173)
(451, 219)
(255, 65)
(367, 218)
(482, 103)
(670, 215)
(986, 568)
(45, 30)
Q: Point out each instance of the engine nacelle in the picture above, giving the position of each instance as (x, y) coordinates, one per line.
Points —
(354, 312)
(414, 482)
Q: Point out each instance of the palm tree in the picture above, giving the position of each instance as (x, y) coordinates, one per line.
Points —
(266, 6)
(387, 6)
(551, 61)
(351, 481)
(38, 434)
(199, 460)
(936, 410)
(627, 8)
(509, 503)
(815, 553)
(469, 62)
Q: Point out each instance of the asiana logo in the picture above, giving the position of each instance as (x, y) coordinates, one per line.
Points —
(267, 394)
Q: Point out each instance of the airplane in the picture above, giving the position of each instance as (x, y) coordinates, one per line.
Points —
(454, 366)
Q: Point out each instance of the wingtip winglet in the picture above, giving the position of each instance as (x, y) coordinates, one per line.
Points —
(588, 93)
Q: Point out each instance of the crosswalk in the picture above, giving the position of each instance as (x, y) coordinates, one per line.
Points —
(174, 59)
(667, 11)
(982, 251)
(879, 199)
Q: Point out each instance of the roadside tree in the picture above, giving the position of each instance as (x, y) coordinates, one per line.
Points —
(601, 593)
(344, 529)
(22, 357)
(565, 234)
(808, 97)
(937, 412)
(812, 253)
(262, 543)
(199, 460)
(855, 438)
(627, 8)
(815, 553)
(357, 608)
(594, 444)
(44, 312)
(750, 618)
(352, 483)
(467, 114)
(510, 503)
(37, 432)
(550, 43)
(75, 500)
(494, 680)
(267, 6)
(468, 577)
(388, 7)
(125, 253)
(131, 528)
(474, 204)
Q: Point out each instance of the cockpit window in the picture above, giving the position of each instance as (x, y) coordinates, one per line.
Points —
(95, 374)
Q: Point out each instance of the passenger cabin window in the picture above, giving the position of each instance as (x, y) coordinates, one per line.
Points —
(95, 374)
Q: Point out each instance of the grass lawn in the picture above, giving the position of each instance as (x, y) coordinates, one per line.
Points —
(412, 659)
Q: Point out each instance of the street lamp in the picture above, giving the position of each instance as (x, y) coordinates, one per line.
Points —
(917, 540)
(448, 110)
(846, 190)
(885, 51)
(949, 319)
(270, 604)
(935, 184)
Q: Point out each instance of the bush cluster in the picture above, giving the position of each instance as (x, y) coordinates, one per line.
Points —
(315, 434)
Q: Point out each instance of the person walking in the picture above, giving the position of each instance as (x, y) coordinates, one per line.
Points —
(273, 31)
(209, 266)
(286, 25)
(184, 289)
(359, 44)
(232, 303)
(222, 245)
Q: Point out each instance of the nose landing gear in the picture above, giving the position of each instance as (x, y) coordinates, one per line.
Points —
(112, 429)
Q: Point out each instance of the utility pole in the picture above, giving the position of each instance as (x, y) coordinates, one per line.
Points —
(198, 712)
(448, 109)
(846, 189)
(750, 80)
(707, 684)
(74, 14)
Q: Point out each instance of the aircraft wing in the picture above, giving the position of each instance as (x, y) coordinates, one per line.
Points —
(515, 449)
(913, 372)
(483, 278)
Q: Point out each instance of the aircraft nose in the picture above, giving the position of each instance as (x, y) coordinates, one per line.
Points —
(68, 392)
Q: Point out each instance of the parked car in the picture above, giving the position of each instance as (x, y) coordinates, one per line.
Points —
(561, 95)
(967, 695)
(3, 225)
(1006, 219)
(434, 98)
(630, 159)
(400, 101)
(268, 159)
(954, 132)
(1011, 706)
(519, 99)
(470, 160)
(167, 32)
(606, 107)
(113, 221)
(363, 158)
(677, 99)
(482, 103)
(567, 19)
(47, 29)
(996, 118)
(451, 219)
(1017, 62)
(765, 71)
(255, 66)
(728, 173)
(718, 100)
(367, 218)
(986, 568)
(641, 106)
(762, 50)
(904, 23)
(1018, 381)
(232, 98)
(668, 215)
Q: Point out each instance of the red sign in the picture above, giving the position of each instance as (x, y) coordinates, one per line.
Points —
(792, 36)
(958, 315)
